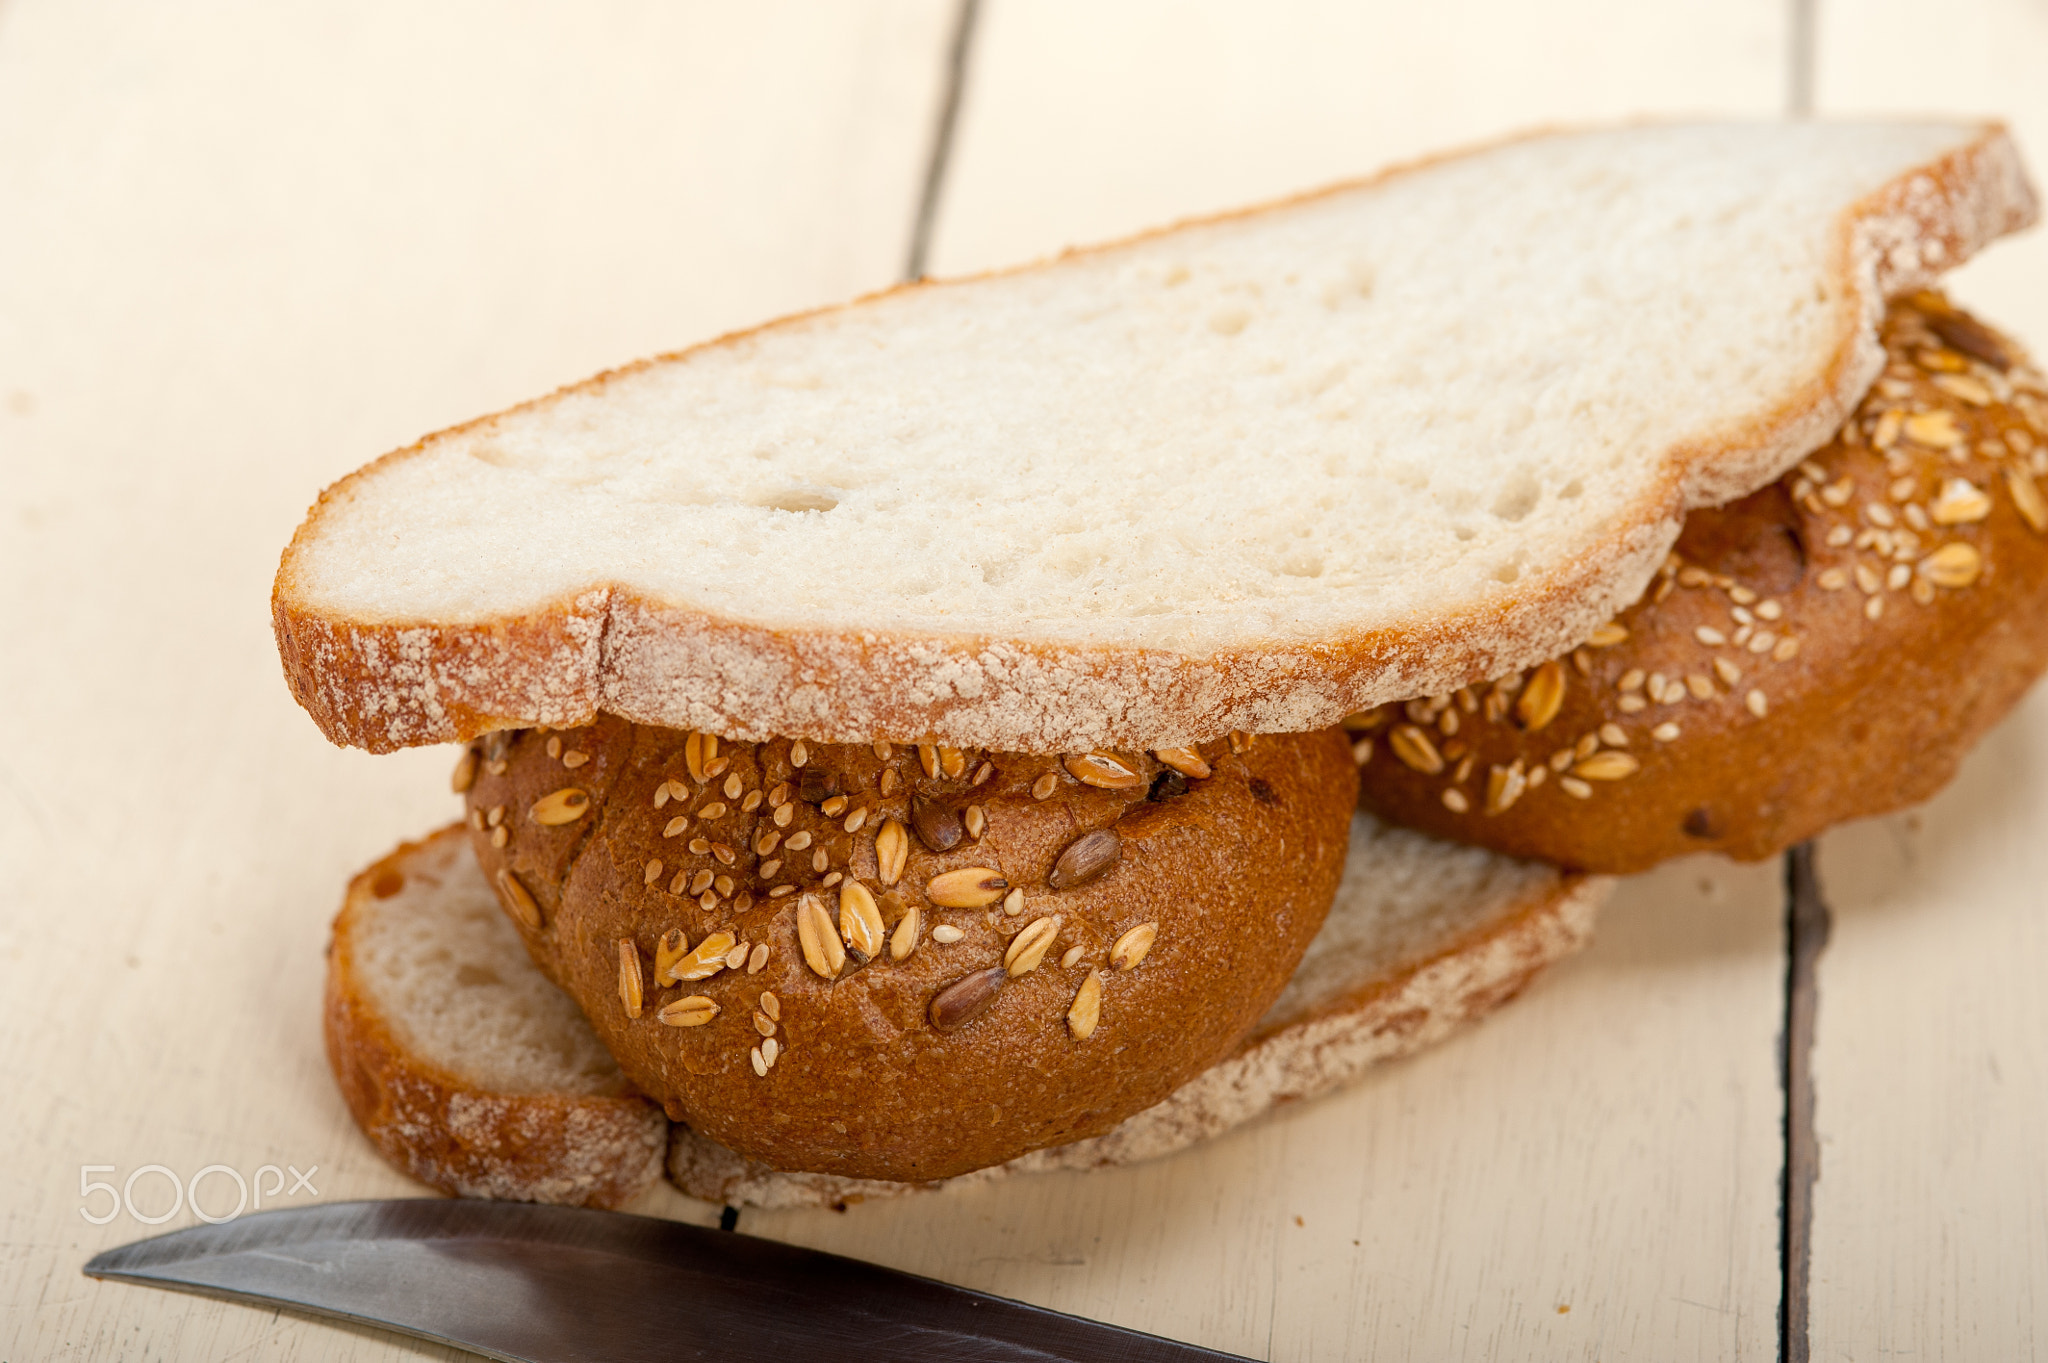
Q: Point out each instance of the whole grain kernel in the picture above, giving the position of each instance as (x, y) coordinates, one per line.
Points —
(860, 922)
(1186, 761)
(1044, 786)
(1960, 503)
(1504, 786)
(833, 807)
(928, 759)
(945, 934)
(464, 775)
(970, 887)
(518, 901)
(694, 755)
(952, 762)
(1455, 801)
(1102, 769)
(1240, 742)
(1606, 766)
(706, 959)
(1953, 565)
(1027, 949)
(1085, 1012)
(823, 952)
(2027, 498)
(1608, 635)
(1133, 947)
(903, 939)
(1085, 859)
(892, 851)
(966, 998)
(1574, 787)
(629, 977)
(1542, 698)
(672, 947)
(1413, 746)
(694, 1011)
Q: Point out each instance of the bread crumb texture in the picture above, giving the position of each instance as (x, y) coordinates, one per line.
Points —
(1255, 472)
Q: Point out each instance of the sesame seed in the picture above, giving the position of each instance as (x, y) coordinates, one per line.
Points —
(574, 759)
(798, 753)
(1756, 704)
(1606, 766)
(756, 959)
(1769, 610)
(819, 861)
(1701, 687)
(1787, 649)
(1665, 732)
(1833, 580)
(1728, 672)
(1561, 759)
(1839, 536)
(1630, 680)
(1575, 787)
(1898, 577)
(946, 934)
(1741, 596)
(554, 747)
(783, 814)
(1464, 768)
(1044, 786)
(1923, 591)
(1873, 608)
(797, 842)
(1711, 637)
(653, 872)
(699, 847)
(499, 836)
(760, 1064)
(780, 890)
(1455, 801)
(1613, 735)
(769, 869)
(1628, 705)
(1838, 493)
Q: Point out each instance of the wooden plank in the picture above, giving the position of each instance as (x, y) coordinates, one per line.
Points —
(1930, 1233)
(1610, 1145)
(1085, 122)
(247, 246)
(1593, 1174)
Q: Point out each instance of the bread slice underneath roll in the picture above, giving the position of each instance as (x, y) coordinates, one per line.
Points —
(473, 1073)
(460, 1061)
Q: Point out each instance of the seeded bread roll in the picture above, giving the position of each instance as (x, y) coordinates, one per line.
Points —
(907, 963)
(466, 1069)
(1824, 649)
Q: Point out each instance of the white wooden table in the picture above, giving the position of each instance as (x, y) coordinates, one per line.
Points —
(245, 246)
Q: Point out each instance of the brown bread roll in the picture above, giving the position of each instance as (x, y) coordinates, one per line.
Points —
(1824, 649)
(909, 962)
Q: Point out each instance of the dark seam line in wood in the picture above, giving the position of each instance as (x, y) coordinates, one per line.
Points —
(1806, 932)
(941, 155)
(1806, 924)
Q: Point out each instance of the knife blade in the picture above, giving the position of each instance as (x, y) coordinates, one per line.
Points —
(539, 1284)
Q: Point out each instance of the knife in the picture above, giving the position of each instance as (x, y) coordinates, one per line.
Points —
(538, 1284)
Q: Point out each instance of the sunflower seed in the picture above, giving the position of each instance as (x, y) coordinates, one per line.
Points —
(517, 900)
(464, 775)
(938, 826)
(1086, 1010)
(694, 1011)
(1029, 946)
(1102, 769)
(822, 950)
(971, 887)
(1133, 947)
(903, 940)
(966, 998)
(1186, 761)
(1086, 858)
(629, 976)
(1955, 564)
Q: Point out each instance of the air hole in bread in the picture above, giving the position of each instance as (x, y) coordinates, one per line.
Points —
(1571, 490)
(1517, 497)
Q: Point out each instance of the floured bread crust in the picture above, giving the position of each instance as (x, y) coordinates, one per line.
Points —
(394, 675)
(1827, 648)
(490, 1125)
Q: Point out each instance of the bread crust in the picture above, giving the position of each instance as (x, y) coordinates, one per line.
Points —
(1926, 508)
(385, 684)
(1234, 871)
(457, 1136)
(1302, 1049)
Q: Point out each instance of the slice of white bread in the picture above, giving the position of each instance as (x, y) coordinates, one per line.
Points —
(465, 1066)
(1424, 936)
(1254, 472)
